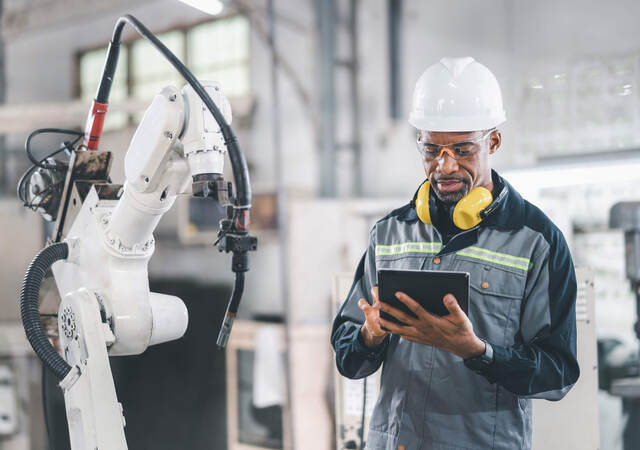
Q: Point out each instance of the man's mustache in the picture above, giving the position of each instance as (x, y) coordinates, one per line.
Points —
(439, 180)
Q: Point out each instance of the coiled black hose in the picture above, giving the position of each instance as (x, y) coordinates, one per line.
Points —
(29, 308)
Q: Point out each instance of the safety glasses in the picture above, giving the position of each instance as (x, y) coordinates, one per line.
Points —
(457, 150)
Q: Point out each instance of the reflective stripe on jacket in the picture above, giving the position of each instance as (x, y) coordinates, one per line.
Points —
(522, 301)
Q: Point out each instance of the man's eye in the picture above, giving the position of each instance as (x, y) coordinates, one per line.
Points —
(432, 149)
(462, 150)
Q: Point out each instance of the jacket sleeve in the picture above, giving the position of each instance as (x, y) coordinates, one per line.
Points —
(543, 362)
(353, 359)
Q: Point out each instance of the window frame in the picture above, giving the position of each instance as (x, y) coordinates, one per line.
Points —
(129, 39)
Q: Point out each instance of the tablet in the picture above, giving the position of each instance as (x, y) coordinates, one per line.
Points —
(427, 287)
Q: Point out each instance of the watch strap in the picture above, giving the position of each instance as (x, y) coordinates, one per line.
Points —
(481, 363)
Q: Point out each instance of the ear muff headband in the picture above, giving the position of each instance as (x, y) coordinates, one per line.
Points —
(467, 212)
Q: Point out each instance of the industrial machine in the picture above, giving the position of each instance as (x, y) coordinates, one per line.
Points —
(103, 238)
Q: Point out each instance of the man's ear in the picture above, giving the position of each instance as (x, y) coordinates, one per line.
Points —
(495, 140)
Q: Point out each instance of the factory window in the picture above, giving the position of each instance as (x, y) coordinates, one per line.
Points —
(216, 50)
(219, 51)
(149, 71)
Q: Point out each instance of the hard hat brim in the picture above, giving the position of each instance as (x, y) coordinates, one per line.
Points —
(452, 124)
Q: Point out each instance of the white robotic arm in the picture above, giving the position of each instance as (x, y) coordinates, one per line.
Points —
(100, 269)
(106, 307)
(177, 138)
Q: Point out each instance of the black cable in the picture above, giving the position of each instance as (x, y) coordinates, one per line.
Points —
(24, 182)
(29, 308)
(238, 287)
(21, 183)
(41, 163)
(42, 196)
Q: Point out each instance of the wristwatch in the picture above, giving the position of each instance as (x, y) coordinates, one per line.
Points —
(481, 363)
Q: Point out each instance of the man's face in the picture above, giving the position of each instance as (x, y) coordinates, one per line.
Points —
(451, 178)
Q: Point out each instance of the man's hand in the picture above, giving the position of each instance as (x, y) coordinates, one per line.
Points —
(371, 333)
(453, 332)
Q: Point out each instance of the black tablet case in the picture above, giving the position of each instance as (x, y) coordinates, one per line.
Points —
(427, 287)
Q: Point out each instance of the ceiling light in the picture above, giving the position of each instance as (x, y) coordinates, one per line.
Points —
(213, 7)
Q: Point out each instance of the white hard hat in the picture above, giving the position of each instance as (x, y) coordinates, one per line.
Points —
(457, 94)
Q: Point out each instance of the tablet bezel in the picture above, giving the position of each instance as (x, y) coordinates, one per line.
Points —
(420, 278)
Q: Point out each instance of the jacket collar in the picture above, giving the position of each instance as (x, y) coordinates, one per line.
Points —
(509, 212)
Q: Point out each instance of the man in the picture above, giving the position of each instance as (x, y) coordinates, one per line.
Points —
(458, 381)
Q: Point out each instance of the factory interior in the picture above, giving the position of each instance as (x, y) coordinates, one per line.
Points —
(309, 102)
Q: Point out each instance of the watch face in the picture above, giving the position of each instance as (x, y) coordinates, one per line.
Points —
(488, 353)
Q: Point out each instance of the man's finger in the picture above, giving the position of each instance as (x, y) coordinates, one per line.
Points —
(364, 305)
(392, 327)
(374, 294)
(376, 323)
(413, 305)
(450, 302)
(400, 315)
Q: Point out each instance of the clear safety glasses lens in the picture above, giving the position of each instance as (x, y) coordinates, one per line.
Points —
(458, 150)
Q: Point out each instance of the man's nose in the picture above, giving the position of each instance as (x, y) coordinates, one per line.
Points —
(446, 162)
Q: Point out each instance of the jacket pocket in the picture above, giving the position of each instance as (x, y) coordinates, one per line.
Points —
(495, 299)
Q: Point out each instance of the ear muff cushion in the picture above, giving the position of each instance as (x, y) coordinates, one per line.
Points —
(466, 214)
(422, 203)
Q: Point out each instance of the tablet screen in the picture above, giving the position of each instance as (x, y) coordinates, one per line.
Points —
(427, 287)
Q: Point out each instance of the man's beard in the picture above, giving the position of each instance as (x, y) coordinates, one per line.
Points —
(452, 197)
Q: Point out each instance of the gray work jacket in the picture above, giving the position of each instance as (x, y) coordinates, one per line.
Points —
(522, 301)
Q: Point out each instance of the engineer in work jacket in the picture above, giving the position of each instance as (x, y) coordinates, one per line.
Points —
(522, 302)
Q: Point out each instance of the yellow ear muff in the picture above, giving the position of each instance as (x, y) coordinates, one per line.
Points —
(422, 203)
(466, 214)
